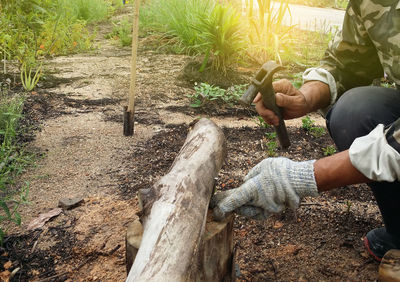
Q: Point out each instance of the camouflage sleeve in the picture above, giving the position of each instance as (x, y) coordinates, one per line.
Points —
(351, 56)
(377, 155)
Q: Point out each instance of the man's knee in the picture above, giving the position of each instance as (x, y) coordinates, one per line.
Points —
(360, 110)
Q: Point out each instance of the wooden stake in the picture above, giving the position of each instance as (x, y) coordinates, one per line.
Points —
(129, 112)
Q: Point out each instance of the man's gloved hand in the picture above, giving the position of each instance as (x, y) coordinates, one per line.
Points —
(269, 187)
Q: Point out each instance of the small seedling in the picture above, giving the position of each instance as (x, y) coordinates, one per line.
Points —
(272, 146)
(348, 204)
(317, 131)
(261, 122)
(270, 135)
(329, 150)
(307, 123)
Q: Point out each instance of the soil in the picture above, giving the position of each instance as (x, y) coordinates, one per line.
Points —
(74, 121)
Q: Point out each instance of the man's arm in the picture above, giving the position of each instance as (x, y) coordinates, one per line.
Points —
(337, 171)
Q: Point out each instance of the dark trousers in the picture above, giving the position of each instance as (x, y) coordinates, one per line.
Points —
(356, 113)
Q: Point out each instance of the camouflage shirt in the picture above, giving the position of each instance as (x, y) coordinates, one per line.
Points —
(367, 48)
(368, 45)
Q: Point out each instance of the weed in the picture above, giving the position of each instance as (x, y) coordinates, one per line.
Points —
(317, 131)
(29, 82)
(12, 162)
(261, 122)
(122, 31)
(307, 123)
(329, 150)
(206, 93)
(270, 135)
(272, 146)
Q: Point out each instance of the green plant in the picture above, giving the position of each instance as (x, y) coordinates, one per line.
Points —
(176, 19)
(197, 27)
(206, 93)
(267, 31)
(272, 146)
(12, 161)
(261, 122)
(29, 82)
(122, 31)
(329, 150)
(221, 35)
(317, 131)
(270, 135)
(307, 123)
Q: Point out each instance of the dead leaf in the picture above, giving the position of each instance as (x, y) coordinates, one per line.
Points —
(7, 265)
(278, 225)
(5, 276)
(43, 218)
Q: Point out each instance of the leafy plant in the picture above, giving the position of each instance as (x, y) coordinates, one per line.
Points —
(317, 131)
(221, 36)
(206, 93)
(29, 82)
(307, 123)
(267, 31)
(272, 146)
(198, 27)
(329, 150)
(261, 122)
(270, 135)
(122, 31)
(12, 161)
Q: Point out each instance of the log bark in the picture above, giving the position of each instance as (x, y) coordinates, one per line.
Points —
(174, 211)
(216, 253)
(389, 269)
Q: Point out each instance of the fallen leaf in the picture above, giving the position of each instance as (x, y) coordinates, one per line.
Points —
(5, 276)
(7, 265)
(43, 218)
(278, 225)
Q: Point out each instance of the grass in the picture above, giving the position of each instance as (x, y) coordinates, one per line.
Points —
(337, 4)
(13, 160)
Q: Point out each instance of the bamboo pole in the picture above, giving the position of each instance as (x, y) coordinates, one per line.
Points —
(129, 111)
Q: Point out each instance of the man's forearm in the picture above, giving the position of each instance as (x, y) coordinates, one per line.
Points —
(317, 95)
(337, 171)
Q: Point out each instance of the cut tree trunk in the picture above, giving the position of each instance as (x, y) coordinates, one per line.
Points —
(216, 253)
(174, 215)
(389, 269)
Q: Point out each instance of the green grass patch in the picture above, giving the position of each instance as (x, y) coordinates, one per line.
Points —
(13, 160)
(337, 4)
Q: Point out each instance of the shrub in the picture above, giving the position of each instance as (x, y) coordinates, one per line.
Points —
(221, 36)
(197, 27)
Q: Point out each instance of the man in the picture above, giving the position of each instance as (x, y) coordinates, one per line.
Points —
(363, 120)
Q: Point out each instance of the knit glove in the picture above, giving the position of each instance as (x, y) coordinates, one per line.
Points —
(269, 187)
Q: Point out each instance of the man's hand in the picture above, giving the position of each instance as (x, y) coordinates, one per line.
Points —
(292, 101)
(269, 187)
(295, 103)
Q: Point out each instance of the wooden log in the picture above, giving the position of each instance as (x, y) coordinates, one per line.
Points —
(174, 211)
(389, 269)
(216, 253)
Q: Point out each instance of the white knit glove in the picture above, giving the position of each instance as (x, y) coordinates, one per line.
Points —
(269, 187)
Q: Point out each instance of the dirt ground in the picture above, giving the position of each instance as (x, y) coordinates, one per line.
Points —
(77, 112)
